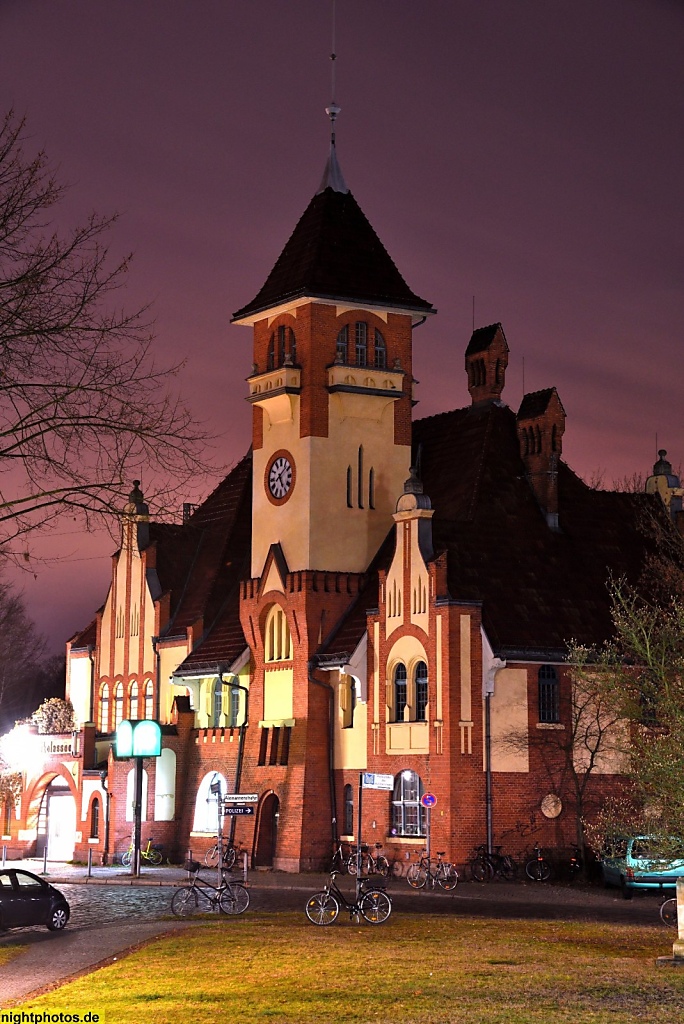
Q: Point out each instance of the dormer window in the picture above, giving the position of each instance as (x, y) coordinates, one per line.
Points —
(361, 335)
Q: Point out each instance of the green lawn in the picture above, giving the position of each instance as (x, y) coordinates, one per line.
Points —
(8, 953)
(279, 968)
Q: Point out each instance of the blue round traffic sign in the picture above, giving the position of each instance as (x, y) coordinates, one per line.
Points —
(428, 800)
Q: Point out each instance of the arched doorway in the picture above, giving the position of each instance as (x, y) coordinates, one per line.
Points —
(267, 834)
(57, 821)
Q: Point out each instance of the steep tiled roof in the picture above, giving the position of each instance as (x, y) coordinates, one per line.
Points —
(539, 588)
(334, 253)
(481, 339)
(535, 404)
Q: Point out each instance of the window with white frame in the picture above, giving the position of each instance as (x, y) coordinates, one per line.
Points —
(104, 708)
(408, 815)
(118, 704)
(400, 692)
(278, 640)
(421, 690)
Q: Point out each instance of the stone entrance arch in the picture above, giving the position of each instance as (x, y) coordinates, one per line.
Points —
(266, 839)
(57, 820)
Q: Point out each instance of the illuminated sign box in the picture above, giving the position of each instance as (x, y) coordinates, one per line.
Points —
(138, 739)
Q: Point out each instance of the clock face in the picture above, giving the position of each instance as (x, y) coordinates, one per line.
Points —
(280, 477)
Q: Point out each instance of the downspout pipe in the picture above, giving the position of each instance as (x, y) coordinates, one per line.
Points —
(311, 665)
(92, 683)
(241, 745)
(488, 772)
(157, 674)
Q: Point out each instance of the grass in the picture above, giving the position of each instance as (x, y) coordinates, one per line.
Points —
(8, 953)
(413, 970)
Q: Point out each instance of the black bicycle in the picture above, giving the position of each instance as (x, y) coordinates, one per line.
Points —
(538, 868)
(228, 852)
(372, 903)
(368, 863)
(202, 898)
(485, 865)
(340, 857)
(424, 872)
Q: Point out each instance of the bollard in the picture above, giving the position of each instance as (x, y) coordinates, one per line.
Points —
(188, 861)
(45, 870)
(4, 855)
(90, 862)
(244, 866)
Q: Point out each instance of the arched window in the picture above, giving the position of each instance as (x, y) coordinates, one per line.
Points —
(207, 802)
(104, 708)
(399, 692)
(133, 698)
(554, 438)
(549, 702)
(270, 358)
(421, 683)
(348, 811)
(278, 640)
(118, 703)
(360, 475)
(380, 356)
(149, 699)
(95, 819)
(361, 336)
(342, 345)
(234, 707)
(408, 816)
(217, 708)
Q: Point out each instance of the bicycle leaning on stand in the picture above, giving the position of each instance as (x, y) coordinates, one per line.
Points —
(668, 912)
(229, 853)
(485, 865)
(340, 857)
(369, 864)
(202, 898)
(152, 853)
(538, 868)
(423, 873)
(372, 903)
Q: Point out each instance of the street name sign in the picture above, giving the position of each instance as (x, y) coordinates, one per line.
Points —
(373, 781)
(241, 798)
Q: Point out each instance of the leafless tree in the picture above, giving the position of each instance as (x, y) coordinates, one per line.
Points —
(83, 405)
(21, 659)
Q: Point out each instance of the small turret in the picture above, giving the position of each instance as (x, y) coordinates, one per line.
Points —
(667, 484)
(541, 424)
(486, 360)
(136, 519)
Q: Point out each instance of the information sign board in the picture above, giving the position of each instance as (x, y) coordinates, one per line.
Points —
(374, 781)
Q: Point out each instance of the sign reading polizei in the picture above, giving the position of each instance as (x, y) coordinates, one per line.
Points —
(241, 798)
(238, 809)
(374, 781)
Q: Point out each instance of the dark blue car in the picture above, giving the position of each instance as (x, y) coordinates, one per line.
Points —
(26, 899)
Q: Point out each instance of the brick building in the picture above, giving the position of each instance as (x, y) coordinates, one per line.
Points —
(363, 592)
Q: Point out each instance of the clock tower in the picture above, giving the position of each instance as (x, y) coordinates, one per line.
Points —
(331, 389)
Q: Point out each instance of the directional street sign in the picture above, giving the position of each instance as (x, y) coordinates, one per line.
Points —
(428, 800)
(373, 781)
(241, 798)
(236, 809)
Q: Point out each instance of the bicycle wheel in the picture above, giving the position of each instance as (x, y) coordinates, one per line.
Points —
(481, 870)
(155, 857)
(126, 858)
(184, 902)
(365, 864)
(538, 870)
(375, 906)
(229, 855)
(322, 908)
(416, 876)
(668, 912)
(211, 856)
(382, 866)
(447, 876)
(234, 899)
(508, 869)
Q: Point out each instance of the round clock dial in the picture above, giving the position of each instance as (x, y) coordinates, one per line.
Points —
(280, 477)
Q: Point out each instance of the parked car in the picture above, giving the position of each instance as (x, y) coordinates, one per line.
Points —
(26, 899)
(638, 863)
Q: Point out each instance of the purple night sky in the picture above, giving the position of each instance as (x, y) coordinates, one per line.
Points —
(525, 152)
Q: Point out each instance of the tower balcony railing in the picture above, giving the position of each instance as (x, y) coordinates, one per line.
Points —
(283, 380)
(366, 380)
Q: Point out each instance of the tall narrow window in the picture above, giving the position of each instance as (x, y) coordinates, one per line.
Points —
(270, 359)
(293, 347)
(399, 692)
(380, 356)
(275, 737)
(278, 639)
(234, 707)
(549, 702)
(350, 503)
(133, 697)
(7, 816)
(95, 819)
(282, 338)
(348, 811)
(421, 691)
(149, 699)
(361, 331)
(218, 703)
(408, 817)
(263, 746)
(104, 708)
(118, 703)
(371, 488)
(360, 476)
(285, 745)
(342, 346)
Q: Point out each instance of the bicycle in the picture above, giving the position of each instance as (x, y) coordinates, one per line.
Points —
(230, 852)
(420, 874)
(538, 868)
(668, 912)
(202, 898)
(152, 853)
(485, 865)
(371, 903)
(340, 858)
(370, 865)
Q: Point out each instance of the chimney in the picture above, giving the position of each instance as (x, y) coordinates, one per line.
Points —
(541, 424)
(486, 360)
(136, 519)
